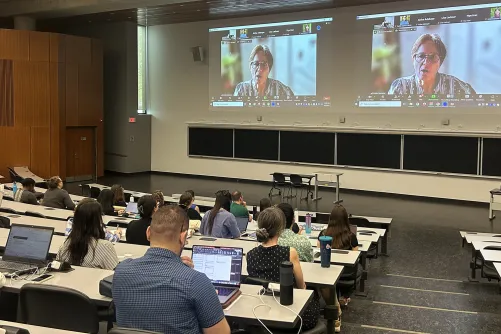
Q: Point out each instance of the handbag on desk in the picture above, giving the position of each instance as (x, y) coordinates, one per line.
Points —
(106, 286)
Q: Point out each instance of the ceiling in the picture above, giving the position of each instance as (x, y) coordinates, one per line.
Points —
(190, 11)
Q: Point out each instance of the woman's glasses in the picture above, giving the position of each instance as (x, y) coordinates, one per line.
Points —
(262, 64)
(432, 57)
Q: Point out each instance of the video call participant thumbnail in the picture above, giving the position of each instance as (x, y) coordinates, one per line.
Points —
(428, 54)
(260, 65)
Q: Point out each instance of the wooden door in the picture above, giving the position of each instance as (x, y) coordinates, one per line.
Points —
(80, 153)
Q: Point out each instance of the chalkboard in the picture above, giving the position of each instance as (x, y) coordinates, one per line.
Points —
(368, 150)
(310, 147)
(491, 159)
(210, 142)
(256, 144)
(441, 154)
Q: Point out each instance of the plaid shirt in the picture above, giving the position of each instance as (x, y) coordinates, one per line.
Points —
(158, 292)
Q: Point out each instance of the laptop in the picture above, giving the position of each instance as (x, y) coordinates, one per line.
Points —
(242, 223)
(223, 266)
(132, 207)
(27, 249)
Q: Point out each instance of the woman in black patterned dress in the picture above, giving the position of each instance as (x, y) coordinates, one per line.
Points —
(264, 261)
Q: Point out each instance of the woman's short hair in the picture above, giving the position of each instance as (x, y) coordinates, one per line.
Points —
(146, 206)
(435, 39)
(267, 53)
(271, 223)
(159, 197)
(53, 182)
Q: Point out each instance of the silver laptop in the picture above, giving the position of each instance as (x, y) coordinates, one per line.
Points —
(132, 207)
(27, 249)
(222, 265)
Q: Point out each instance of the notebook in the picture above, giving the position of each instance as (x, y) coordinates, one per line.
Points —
(223, 266)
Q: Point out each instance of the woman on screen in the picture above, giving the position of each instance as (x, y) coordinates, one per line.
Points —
(260, 65)
(428, 54)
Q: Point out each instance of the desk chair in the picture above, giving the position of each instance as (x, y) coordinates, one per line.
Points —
(297, 183)
(373, 251)
(487, 269)
(4, 222)
(85, 190)
(121, 330)
(34, 214)
(279, 183)
(57, 307)
(94, 192)
(9, 210)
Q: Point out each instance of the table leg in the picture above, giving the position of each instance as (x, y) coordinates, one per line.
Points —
(337, 189)
(473, 265)
(384, 244)
(316, 198)
(491, 211)
(331, 312)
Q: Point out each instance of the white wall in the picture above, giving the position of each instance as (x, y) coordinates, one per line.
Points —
(179, 95)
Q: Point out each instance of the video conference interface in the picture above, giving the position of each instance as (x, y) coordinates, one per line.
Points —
(221, 265)
(272, 65)
(447, 57)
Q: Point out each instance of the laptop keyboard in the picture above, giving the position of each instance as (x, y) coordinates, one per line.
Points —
(224, 291)
(14, 265)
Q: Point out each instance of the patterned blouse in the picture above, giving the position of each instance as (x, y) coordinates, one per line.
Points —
(299, 242)
(273, 88)
(445, 85)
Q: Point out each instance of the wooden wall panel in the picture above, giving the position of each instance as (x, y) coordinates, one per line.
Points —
(88, 111)
(41, 94)
(57, 74)
(14, 44)
(39, 46)
(16, 143)
(72, 94)
(24, 102)
(6, 93)
(40, 151)
(78, 50)
(57, 48)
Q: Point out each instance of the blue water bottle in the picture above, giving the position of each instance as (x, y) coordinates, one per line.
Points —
(308, 223)
(325, 251)
(14, 189)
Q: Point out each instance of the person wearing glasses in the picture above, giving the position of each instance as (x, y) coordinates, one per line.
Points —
(428, 54)
(260, 65)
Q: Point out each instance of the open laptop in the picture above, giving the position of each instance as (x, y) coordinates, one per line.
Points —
(26, 249)
(132, 207)
(223, 266)
(242, 223)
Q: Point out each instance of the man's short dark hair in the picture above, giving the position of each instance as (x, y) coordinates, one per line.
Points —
(169, 222)
(28, 182)
(288, 212)
(236, 195)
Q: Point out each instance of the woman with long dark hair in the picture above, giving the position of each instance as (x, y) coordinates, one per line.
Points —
(86, 245)
(219, 222)
(136, 230)
(342, 238)
(105, 198)
(118, 195)
(186, 201)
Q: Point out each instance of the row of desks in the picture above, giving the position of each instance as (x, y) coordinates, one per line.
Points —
(479, 241)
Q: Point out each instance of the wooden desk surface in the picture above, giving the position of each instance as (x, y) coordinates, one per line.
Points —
(491, 255)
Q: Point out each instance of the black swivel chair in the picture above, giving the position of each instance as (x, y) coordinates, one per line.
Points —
(94, 192)
(85, 189)
(297, 183)
(34, 214)
(279, 183)
(56, 307)
(488, 270)
(121, 330)
(9, 210)
(373, 251)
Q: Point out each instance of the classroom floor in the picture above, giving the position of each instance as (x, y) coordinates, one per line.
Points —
(422, 287)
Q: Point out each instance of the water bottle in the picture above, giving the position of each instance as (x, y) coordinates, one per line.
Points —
(14, 189)
(286, 283)
(308, 223)
(325, 251)
(131, 199)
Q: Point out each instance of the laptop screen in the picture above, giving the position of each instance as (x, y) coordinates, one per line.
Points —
(222, 265)
(131, 207)
(28, 242)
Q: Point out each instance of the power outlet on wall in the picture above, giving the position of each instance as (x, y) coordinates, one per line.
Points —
(131, 139)
(446, 121)
(342, 119)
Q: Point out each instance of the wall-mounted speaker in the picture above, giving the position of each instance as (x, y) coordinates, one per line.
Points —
(198, 53)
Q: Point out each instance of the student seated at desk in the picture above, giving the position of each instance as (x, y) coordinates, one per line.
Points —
(86, 245)
(186, 202)
(264, 261)
(300, 243)
(105, 198)
(136, 230)
(219, 222)
(158, 195)
(342, 238)
(56, 196)
(118, 195)
(264, 204)
(161, 291)
(193, 205)
(238, 206)
(27, 194)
